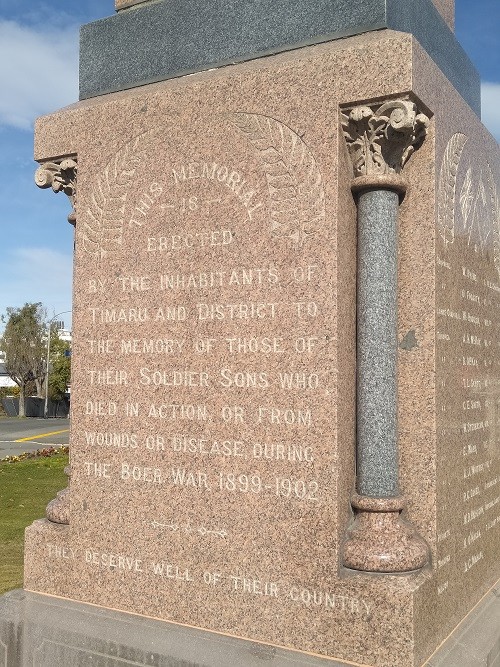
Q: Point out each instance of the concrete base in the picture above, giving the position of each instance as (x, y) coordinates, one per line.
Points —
(476, 641)
(42, 631)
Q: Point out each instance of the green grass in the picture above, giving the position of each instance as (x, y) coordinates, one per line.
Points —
(26, 487)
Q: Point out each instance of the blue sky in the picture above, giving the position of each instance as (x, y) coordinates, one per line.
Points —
(38, 74)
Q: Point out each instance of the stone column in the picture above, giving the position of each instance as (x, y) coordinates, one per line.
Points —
(380, 140)
(61, 176)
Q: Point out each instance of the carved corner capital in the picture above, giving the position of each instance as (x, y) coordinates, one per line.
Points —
(381, 138)
(61, 176)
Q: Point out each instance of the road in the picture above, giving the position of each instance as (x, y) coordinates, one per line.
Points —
(28, 435)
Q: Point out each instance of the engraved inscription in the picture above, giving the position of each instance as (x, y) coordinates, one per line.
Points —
(468, 339)
(241, 583)
(207, 371)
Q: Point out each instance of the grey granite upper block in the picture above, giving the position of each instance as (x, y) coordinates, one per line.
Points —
(160, 40)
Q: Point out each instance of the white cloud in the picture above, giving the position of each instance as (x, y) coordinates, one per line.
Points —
(38, 72)
(37, 274)
(490, 101)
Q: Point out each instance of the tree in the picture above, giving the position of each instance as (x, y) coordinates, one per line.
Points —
(60, 366)
(23, 342)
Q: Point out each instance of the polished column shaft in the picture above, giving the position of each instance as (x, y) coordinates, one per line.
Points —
(377, 450)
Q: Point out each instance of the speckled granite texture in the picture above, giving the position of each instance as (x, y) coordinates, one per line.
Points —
(213, 369)
(447, 9)
(377, 343)
(164, 39)
(124, 4)
(50, 632)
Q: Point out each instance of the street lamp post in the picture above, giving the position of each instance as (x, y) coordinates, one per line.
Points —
(46, 407)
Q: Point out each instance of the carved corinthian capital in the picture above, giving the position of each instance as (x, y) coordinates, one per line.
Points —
(61, 177)
(381, 138)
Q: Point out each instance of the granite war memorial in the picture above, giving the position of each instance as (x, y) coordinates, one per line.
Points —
(286, 366)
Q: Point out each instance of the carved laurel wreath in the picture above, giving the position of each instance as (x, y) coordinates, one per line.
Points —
(447, 187)
(473, 200)
(102, 228)
(294, 181)
(495, 207)
(474, 197)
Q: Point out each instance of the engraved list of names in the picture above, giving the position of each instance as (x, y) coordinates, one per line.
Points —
(468, 369)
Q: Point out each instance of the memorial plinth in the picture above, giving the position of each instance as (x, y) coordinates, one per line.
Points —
(153, 41)
(285, 368)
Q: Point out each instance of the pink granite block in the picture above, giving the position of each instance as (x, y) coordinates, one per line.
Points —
(213, 378)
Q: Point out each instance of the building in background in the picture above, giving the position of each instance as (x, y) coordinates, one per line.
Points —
(63, 333)
(5, 380)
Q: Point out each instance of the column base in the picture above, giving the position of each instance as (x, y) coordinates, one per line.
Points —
(380, 540)
(57, 510)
